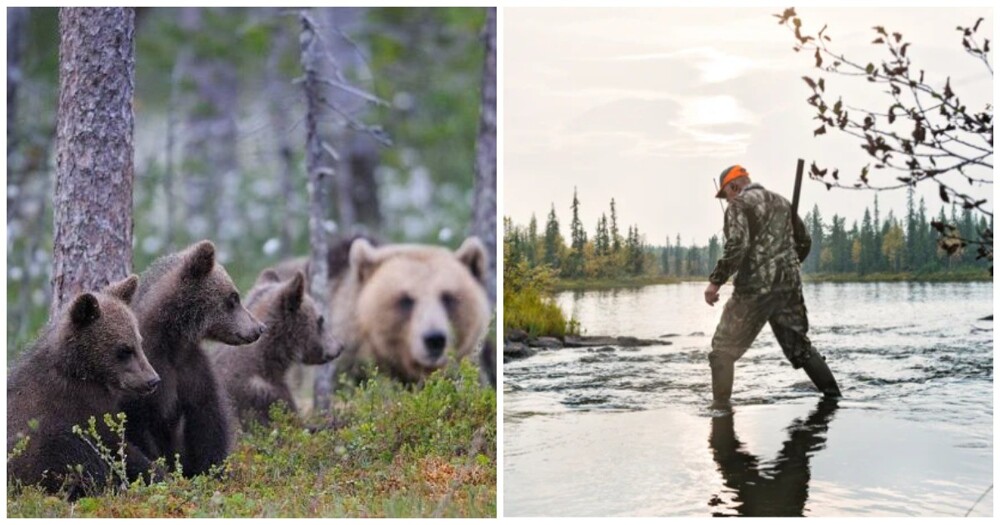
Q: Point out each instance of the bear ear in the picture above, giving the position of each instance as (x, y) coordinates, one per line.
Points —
(362, 259)
(200, 261)
(293, 292)
(123, 289)
(473, 255)
(268, 276)
(84, 310)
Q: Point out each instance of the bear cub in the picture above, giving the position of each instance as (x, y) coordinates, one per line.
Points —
(183, 298)
(254, 376)
(87, 357)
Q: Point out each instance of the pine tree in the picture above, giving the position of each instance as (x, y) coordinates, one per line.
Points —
(911, 252)
(579, 240)
(665, 258)
(866, 245)
(553, 240)
(679, 257)
(616, 240)
(714, 249)
(816, 233)
(694, 259)
(601, 241)
(92, 225)
(531, 242)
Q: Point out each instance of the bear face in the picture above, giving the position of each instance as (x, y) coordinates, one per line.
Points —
(416, 303)
(297, 330)
(192, 285)
(101, 334)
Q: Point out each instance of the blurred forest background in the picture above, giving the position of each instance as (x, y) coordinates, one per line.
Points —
(220, 136)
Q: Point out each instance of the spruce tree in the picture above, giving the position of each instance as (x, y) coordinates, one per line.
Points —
(578, 237)
(553, 241)
(616, 240)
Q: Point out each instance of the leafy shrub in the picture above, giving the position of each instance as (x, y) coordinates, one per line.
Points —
(526, 302)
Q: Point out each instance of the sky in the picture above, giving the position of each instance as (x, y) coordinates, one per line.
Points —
(649, 105)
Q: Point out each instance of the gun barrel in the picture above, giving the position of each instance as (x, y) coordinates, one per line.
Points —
(798, 186)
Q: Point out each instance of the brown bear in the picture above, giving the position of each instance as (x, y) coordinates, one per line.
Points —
(254, 376)
(86, 358)
(183, 298)
(406, 306)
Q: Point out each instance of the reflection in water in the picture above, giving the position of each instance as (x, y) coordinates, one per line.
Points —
(779, 489)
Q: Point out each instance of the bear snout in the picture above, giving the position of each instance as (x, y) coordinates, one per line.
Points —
(332, 351)
(435, 342)
(145, 388)
(152, 384)
(255, 333)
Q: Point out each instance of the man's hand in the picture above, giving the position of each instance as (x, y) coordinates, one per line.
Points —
(712, 294)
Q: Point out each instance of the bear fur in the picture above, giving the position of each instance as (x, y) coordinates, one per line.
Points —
(254, 376)
(405, 307)
(87, 357)
(182, 299)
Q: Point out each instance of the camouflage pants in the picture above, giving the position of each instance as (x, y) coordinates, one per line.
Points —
(744, 317)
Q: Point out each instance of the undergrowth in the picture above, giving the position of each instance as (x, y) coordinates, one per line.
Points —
(385, 450)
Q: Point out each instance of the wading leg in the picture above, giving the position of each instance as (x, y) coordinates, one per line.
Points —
(790, 325)
(723, 370)
(742, 319)
(821, 376)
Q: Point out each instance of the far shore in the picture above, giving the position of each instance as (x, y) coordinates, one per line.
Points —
(562, 285)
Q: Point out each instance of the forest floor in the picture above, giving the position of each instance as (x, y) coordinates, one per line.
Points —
(389, 451)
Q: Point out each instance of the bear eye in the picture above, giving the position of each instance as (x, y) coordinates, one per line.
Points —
(449, 300)
(319, 323)
(232, 301)
(124, 352)
(405, 303)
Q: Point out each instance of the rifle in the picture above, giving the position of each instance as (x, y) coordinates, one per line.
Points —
(798, 186)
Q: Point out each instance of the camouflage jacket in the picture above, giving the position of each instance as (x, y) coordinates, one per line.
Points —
(764, 243)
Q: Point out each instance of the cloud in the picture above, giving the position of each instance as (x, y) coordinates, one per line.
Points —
(713, 65)
(646, 117)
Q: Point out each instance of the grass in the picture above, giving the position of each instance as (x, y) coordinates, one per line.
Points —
(387, 451)
(536, 314)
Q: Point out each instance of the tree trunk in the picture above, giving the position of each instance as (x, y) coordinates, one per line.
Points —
(341, 62)
(319, 165)
(94, 151)
(484, 206)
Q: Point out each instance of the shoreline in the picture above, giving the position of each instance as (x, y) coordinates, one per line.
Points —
(569, 285)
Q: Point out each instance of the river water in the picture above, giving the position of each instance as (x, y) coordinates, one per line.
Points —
(625, 431)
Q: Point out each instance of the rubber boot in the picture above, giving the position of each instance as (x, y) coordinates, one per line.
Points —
(723, 369)
(821, 376)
